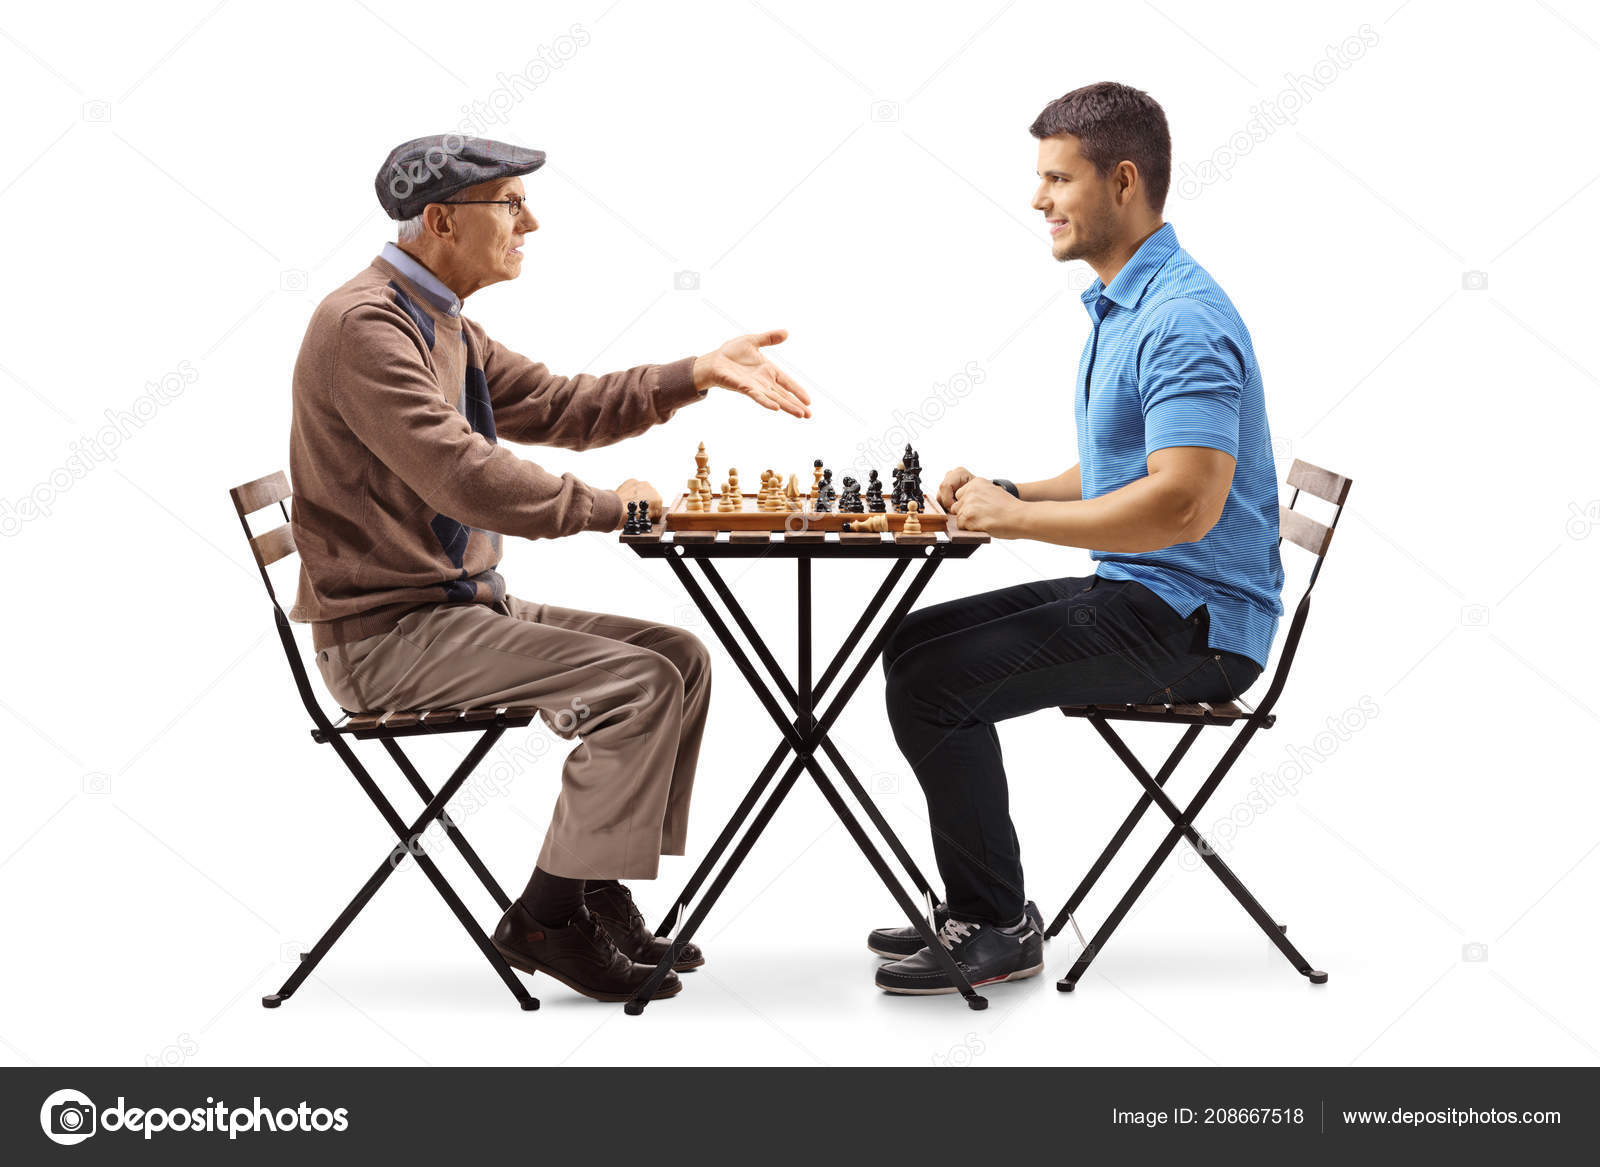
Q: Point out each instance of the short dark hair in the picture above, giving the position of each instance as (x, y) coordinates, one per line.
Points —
(1115, 123)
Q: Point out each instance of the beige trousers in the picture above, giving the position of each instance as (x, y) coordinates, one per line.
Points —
(634, 693)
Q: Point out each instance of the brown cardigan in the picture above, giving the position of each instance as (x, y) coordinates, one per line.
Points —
(401, 492)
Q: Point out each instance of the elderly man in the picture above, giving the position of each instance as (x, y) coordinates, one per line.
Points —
(402, 494)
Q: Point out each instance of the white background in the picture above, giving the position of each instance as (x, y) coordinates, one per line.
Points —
(181, 184)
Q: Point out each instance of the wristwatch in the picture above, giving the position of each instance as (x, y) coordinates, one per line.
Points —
(1008, 486)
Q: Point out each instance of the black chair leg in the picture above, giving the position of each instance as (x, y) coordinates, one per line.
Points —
(454, 832)
(1183, 827)
(408, 837)
(1092, 876)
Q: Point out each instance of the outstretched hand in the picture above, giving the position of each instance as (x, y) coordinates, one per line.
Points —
(740, 365)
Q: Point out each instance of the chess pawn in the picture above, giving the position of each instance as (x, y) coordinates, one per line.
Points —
(691, 500)
(630, 525)
(816, 477)
(645, 521)
(913, 524)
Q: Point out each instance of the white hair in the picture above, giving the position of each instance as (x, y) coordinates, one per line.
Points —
(409, 229)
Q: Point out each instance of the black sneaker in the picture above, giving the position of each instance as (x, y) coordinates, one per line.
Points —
(983, 952)
(899, 943)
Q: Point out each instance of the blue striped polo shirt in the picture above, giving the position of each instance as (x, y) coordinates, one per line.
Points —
(1169, 363)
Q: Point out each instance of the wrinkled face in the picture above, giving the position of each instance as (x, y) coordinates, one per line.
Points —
(1078, 205)
(486, 240)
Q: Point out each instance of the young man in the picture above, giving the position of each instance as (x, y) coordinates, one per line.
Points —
(401, 494)
(1175, 494)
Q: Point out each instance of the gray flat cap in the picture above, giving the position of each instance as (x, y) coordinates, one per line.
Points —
(430, 170)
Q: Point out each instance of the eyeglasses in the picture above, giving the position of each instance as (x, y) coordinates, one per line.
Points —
(513, 204)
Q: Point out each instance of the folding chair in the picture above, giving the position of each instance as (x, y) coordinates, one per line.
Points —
(388, 728)
(1314, 537)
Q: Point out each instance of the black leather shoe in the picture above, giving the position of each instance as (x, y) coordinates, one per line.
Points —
(615, 909)
(984, 954)
(899, 943)
(580, 956)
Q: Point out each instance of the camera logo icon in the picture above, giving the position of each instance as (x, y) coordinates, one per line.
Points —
(1475, 952)
(68, 1117)
(1081, 616)
(97, 111)
(886, 111)
(1475, 616)
(1475, 281)
(686, 281)
(293, 280)
(885, 784)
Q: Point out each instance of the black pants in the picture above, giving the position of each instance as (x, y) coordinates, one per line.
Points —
(956, 669)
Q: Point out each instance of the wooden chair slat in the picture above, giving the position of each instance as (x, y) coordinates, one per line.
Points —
(1325, 484)
(274, 545)
(263, 492)
(1307, 532)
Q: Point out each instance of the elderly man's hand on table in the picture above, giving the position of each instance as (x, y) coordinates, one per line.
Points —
(637, 491)
(741, 366)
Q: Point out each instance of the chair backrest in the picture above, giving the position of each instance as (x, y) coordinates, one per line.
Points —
(1306, 532)
(268, 548)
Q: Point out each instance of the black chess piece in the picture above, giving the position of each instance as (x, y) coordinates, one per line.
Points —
(912, 478)
(645, 521)
(630, 525)
(875, 494)
(850, 500)
(825, 493)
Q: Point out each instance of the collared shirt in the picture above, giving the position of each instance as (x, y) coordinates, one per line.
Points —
(1169, 363)
(426, 282)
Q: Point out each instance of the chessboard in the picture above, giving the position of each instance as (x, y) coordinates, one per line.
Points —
(748, 515)
(850, 508)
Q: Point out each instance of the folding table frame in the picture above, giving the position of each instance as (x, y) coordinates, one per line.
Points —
(387, 728)
(804, 728)
(1314, 537)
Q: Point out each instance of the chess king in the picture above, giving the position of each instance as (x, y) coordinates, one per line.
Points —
(1174, 494)
(402, 491)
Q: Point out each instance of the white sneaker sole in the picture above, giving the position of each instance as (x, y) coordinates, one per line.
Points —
(1021, 974)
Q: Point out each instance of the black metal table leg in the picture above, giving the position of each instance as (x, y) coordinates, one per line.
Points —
(803, 701)
(737, 819)
(801, 735)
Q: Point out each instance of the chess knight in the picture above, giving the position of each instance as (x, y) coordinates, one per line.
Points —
(1174, 494)
(402, 493)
